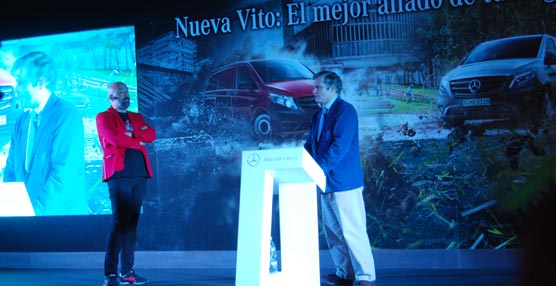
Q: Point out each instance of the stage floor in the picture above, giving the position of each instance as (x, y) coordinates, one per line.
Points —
(226, 277)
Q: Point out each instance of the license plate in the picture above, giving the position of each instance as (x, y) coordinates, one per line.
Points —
(477, 101)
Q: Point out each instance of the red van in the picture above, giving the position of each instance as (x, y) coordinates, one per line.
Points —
(275, 95)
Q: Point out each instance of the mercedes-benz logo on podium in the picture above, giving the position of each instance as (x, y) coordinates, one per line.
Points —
(253, 159)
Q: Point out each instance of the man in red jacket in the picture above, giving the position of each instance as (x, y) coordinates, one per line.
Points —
(126, 168)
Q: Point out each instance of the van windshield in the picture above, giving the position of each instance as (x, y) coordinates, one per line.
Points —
(511, 48)
(281, 70)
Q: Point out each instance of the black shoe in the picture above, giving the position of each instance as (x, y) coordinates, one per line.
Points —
(111, 280)
(132, 278)
(334, 279)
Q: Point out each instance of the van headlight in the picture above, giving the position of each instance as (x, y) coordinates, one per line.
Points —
(444, 88)
(522, 79)
(286, 101)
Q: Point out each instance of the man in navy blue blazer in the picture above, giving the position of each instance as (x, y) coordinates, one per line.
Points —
(333, 142)
(47, 145)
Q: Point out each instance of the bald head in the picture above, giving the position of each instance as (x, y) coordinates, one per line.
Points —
(119, 96)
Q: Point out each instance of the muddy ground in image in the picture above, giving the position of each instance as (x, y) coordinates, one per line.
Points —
(425, 186)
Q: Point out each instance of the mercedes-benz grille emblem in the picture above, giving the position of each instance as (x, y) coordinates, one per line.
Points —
(253, 159)
(474, 85)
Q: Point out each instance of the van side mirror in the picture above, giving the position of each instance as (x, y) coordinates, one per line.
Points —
(550, 59)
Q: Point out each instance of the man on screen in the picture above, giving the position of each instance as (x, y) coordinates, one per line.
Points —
(47, 144)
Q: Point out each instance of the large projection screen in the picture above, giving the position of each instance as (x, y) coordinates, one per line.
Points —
(86, 63)
(456, 103)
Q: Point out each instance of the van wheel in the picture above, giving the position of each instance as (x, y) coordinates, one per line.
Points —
(451, 123)
(549, 104)
(261, 126)
(545, 108)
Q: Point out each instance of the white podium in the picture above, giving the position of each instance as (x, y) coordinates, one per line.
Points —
(297, 175)
(14, 200)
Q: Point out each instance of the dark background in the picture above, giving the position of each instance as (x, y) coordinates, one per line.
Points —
(22, 19)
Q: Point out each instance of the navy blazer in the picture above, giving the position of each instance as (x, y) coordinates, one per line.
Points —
(337, 153)
(56, 179)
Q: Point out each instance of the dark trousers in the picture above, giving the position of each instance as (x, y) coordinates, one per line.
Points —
(126, 196)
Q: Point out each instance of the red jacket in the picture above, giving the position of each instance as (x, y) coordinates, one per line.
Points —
(111, 129)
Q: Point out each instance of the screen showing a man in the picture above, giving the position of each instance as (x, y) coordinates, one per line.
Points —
(52, 87)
